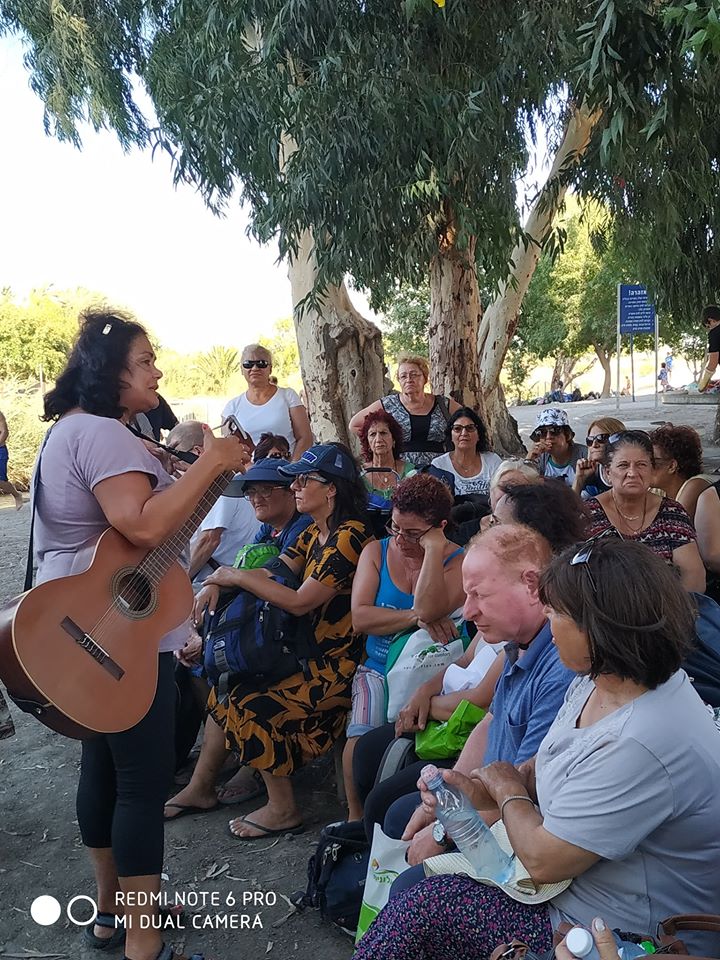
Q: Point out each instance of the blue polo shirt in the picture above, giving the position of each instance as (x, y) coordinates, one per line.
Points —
(288, 535)
(528, 695)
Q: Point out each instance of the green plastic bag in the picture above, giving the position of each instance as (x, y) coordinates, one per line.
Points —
(440, 740)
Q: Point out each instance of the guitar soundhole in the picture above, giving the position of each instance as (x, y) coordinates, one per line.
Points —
(134, 593)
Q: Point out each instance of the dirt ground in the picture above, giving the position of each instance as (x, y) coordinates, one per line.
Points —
(40, 850)
(41, 854)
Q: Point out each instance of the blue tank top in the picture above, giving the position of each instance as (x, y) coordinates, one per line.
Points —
(388, 595)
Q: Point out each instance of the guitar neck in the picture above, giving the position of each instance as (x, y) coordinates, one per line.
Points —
(159, 560)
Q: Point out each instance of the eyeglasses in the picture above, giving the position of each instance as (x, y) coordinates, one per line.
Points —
(255, 493)
(598, 438)
(302, 479)
(546, 432)
(260, 364)
(396, 532)
(464, 428)
(582, 557)
(641, 435)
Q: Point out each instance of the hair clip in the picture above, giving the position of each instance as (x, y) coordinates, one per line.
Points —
(106, 329)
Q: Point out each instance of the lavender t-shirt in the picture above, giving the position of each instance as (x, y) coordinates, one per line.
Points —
(81, 451)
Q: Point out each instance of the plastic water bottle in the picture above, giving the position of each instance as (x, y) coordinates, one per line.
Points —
(468, 829)
(581, 944)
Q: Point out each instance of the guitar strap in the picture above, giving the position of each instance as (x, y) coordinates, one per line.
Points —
(33, 505)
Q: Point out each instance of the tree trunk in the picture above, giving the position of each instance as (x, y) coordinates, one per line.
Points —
(455, 312)
(716, 426)
(500, 320)
(604, 357)
(341, 353)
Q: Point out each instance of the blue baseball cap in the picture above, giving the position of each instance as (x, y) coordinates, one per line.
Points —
(266, 470)
(323, 458)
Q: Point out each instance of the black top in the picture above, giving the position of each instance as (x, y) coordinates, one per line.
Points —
(714, 340)
(161, 418)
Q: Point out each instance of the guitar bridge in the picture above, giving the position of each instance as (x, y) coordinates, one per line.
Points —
(89, 645)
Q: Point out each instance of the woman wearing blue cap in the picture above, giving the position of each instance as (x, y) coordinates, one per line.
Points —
(278, 729)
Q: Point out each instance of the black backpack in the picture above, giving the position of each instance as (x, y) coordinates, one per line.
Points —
(336, 875)
(250, 640)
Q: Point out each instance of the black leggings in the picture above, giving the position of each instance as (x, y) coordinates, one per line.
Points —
(378, 799)
(124, 782)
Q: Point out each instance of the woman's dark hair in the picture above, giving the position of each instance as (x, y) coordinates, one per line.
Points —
(551, 508)
(350, 495)
(682, 444)
(91, 378)
(628, 438)
(380, 416)
(482, 445)
(425, 496)
(268, 442)
(632, 605)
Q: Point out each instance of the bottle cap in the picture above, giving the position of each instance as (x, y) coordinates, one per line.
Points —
(431, 776)
(579, 942)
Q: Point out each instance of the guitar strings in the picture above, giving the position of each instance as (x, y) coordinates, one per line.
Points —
(153, 567)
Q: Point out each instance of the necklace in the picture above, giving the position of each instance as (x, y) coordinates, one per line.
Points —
(627, 518)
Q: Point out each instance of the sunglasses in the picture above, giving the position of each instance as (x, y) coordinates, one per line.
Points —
(464, 428)
(302, 479)
(641, 435)
(546, 432)
(597, 438)
(260, 364)
(582, 558)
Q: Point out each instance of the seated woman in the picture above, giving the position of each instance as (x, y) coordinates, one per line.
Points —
(380, 443)
(678, 465)
(589, 480)
(271, 445)
(707, 524)
(631, 512)
(554, 450)
(412, 577)
(623, 796)
(465, 519)
(556, 513)
(275, 731)
(422, 416)
(469, 459)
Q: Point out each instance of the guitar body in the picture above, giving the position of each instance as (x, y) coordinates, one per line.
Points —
(80, 652)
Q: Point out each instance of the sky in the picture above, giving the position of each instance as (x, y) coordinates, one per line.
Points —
(113, 222)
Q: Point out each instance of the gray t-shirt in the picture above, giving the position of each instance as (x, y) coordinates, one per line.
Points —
(82, 450)
(640, 788)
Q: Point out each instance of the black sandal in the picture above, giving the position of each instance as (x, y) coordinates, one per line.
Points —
(108, 920)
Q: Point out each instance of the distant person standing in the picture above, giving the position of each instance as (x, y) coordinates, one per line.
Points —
(267, 408)
(711, 322)
(663, 377)
(5, 485)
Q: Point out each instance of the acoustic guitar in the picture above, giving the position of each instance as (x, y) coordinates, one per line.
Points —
(80, 653)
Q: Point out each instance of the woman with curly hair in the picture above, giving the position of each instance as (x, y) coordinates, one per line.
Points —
(381, 443)
(413, 577)
(678, 465)
(469, 459)
(93, 473)
(551, 508)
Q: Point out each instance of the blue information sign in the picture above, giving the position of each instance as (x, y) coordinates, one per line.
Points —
(636, 313)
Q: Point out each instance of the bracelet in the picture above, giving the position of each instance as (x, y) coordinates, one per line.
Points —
(515, 796)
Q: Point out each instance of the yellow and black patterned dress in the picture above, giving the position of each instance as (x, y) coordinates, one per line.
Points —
(279, 729)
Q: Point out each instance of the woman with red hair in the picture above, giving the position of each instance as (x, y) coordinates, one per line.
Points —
(381, 442)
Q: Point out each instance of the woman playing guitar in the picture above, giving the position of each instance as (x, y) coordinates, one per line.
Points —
(93, 472)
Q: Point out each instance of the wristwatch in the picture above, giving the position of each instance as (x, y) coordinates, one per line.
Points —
(439, 834)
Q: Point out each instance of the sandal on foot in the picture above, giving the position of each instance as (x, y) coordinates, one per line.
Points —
(108, 920)
(229, 795)
(266, 831)
(187, 810)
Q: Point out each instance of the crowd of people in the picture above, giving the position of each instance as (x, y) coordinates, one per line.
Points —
(569, 576)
